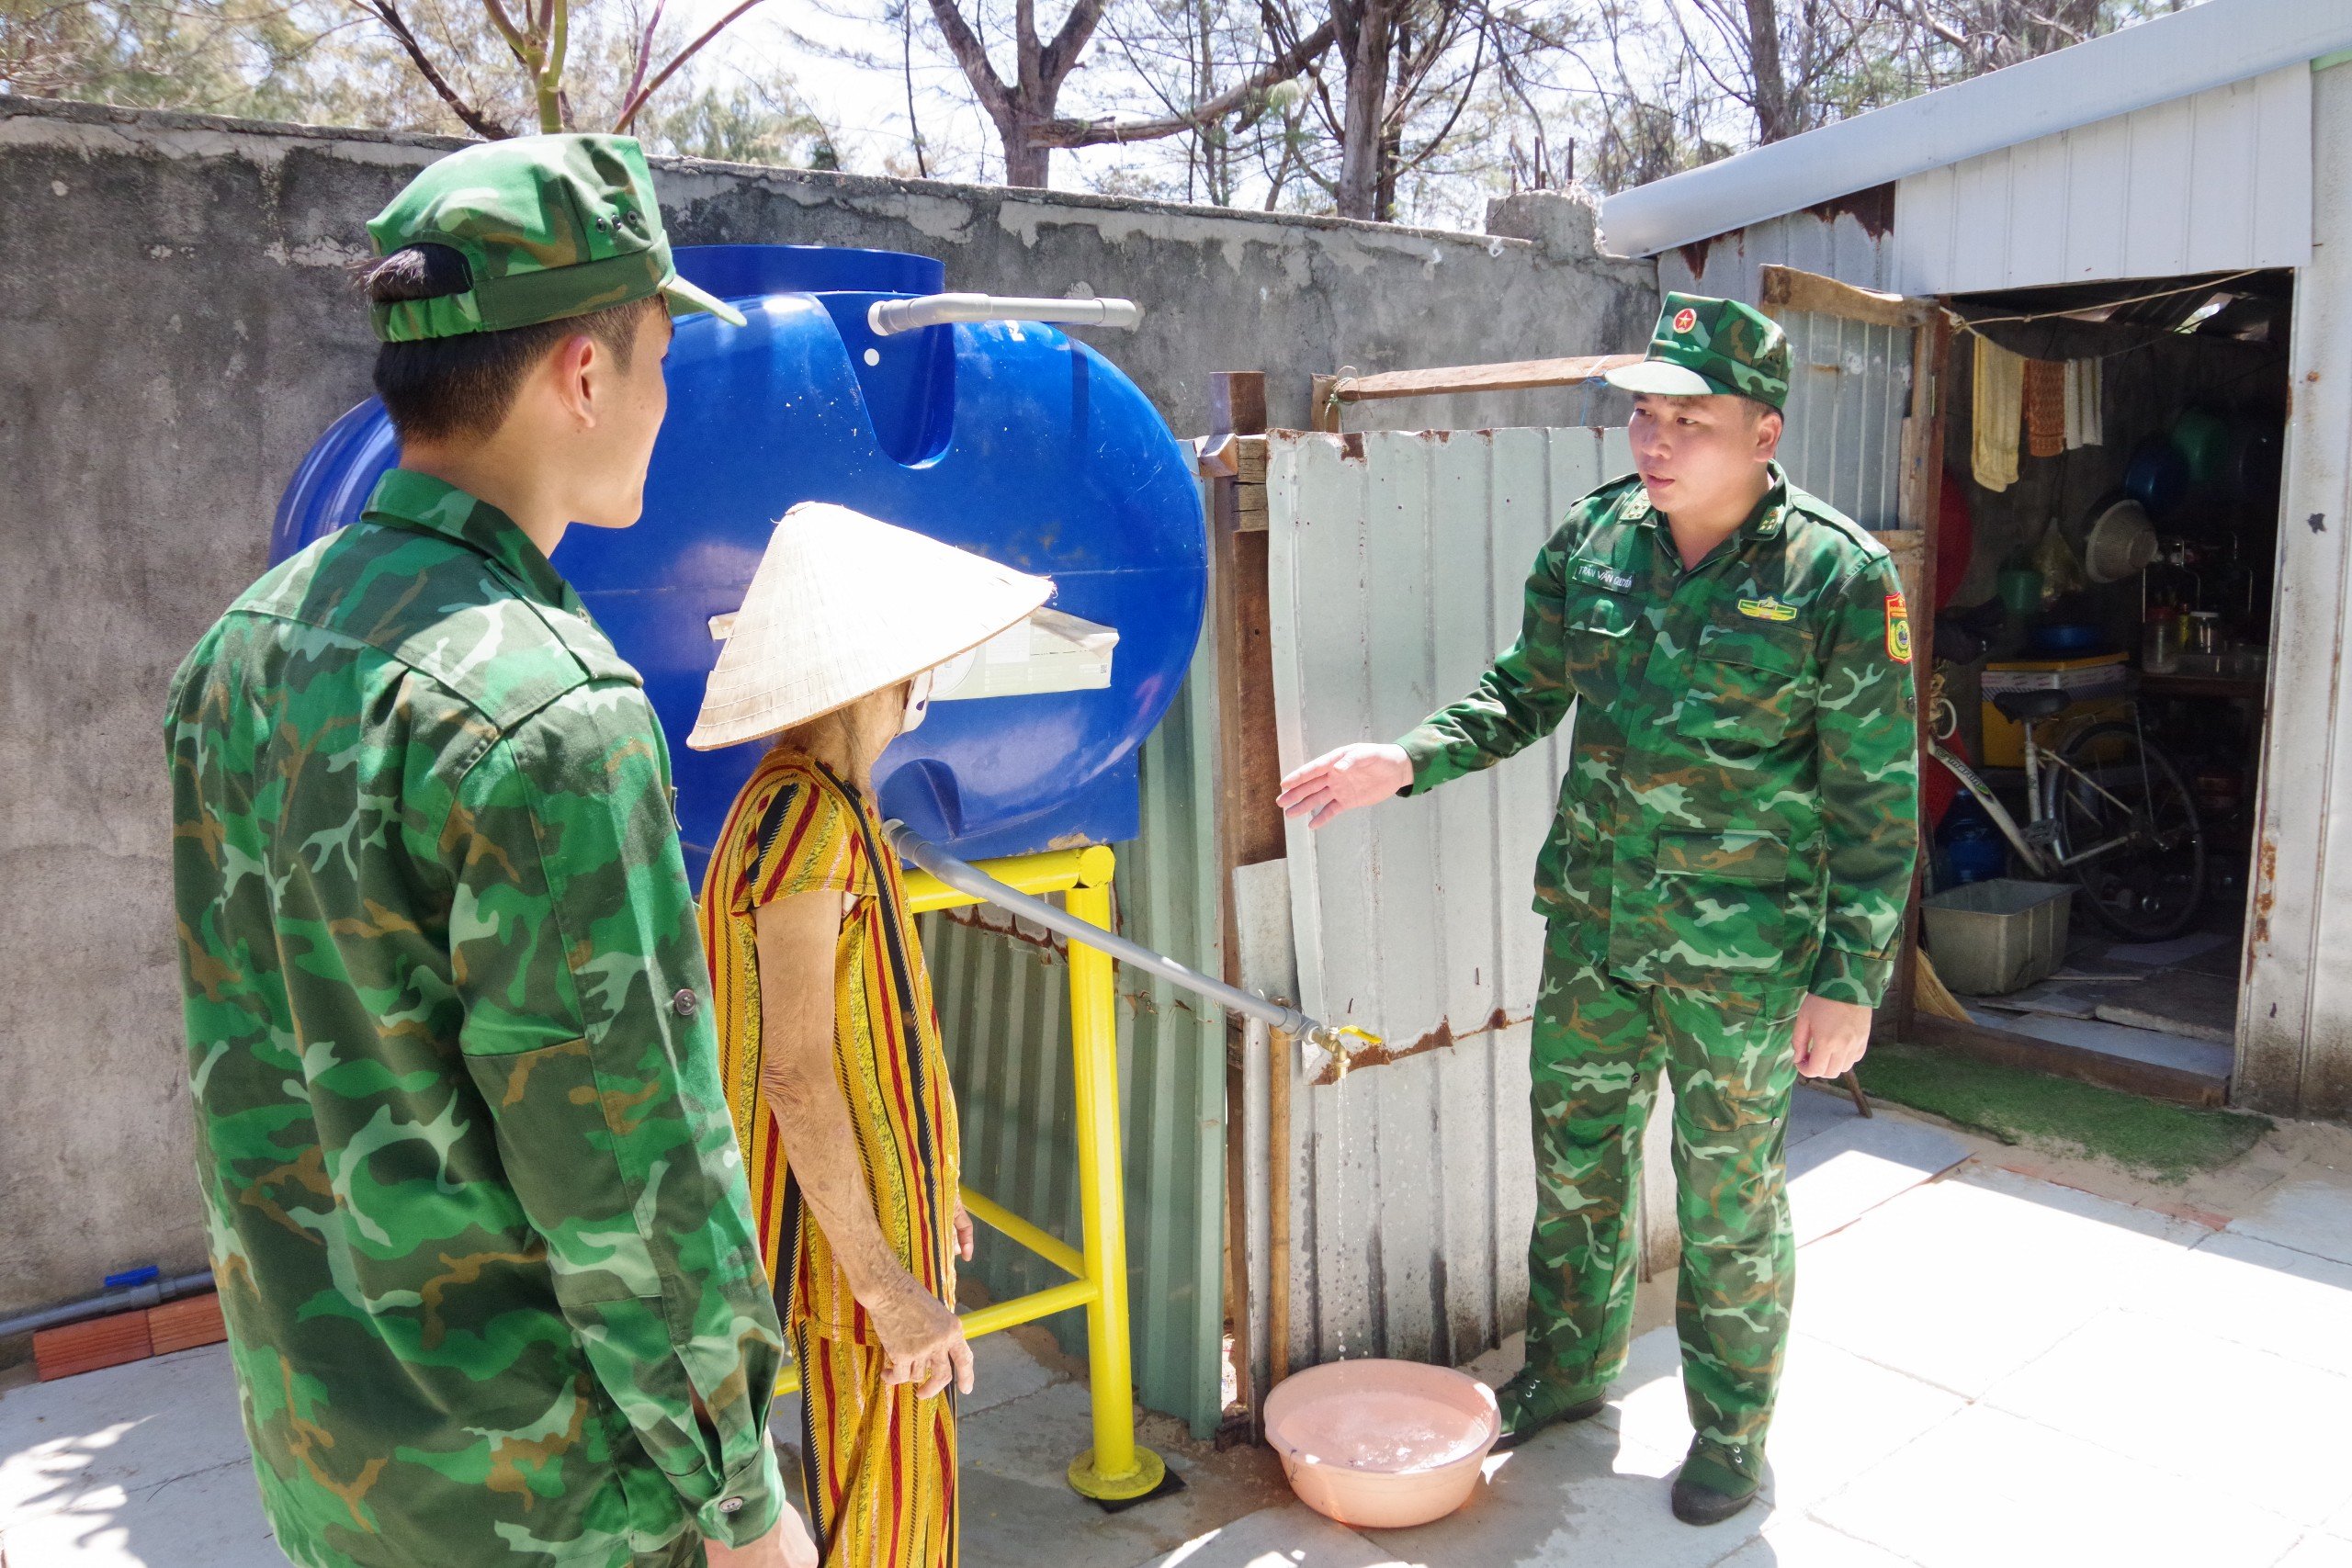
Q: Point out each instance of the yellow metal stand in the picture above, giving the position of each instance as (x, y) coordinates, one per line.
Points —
(1116, 1470)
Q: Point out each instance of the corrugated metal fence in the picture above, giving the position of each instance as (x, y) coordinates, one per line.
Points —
(1397, 561)
(1004, 1011)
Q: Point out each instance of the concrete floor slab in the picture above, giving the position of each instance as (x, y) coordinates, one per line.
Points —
(1963, 1281)
(2255, 1292)
(1573, 1495)
(1857, 1163)
(2311, 1214)
(1813, 1110)
(1988, 1488)
(2237, 1421)
(2316, 1551)
(209, 1519)
(1290, 1536)
(1004, 1370)
(1838, 1415)
(1019, 1511)
(1795, 1540)
(130, 1428)
(2057, 1302)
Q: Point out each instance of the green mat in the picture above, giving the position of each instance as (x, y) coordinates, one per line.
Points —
(2061, 1115)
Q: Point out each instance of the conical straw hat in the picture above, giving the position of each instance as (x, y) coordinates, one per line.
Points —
(843, 605)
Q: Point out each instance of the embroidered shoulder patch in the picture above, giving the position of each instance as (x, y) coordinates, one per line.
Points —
(1599, 574)
(1898, 631)
(1768, 608)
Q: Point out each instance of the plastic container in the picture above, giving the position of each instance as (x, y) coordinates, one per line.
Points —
(1005, 438)
(1991, 938)
(2161, 640)
(1382, 1444)
(1973, 847)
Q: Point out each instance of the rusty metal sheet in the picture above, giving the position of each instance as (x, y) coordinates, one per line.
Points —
(1396, 565)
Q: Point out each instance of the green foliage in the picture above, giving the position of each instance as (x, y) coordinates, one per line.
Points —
(327, 61)
(749, 123)
(2060, 1115)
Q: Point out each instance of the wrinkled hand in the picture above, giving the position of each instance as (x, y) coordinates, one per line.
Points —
(1341, 781)
(1831, 1036)
(962, 1233)
(787, 1546)
(922, 1341)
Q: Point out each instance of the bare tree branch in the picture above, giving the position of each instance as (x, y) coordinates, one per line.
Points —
(1097, 132)
(637, 101)
(473, 119)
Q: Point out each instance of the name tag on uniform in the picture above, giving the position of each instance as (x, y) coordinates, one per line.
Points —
(1597, 575)
(1768, 609)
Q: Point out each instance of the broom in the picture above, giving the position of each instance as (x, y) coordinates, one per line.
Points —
(1930, 993)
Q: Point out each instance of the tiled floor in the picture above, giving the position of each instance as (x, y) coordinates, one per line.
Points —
(1989, 1370)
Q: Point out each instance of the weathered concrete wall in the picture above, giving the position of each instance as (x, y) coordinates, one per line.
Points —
(175, 328)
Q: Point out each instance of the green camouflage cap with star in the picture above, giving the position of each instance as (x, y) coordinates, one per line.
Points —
(1706, 346)
(549, 226)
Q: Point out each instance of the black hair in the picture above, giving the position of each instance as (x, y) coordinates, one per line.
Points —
(441, 387)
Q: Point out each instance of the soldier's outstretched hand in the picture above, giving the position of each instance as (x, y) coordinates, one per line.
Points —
(1342, 780)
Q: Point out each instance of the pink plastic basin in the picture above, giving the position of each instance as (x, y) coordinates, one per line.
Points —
(1382, 1444)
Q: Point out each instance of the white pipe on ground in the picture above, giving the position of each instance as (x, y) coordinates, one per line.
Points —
(884, 317)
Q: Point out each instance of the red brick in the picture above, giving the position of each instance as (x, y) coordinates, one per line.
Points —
(86, 1347)
(184, 1323)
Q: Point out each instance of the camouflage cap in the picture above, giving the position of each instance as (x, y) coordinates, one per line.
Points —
(1704, 345)
(550, 227)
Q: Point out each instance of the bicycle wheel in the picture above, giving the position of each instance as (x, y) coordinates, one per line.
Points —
(2111, 788)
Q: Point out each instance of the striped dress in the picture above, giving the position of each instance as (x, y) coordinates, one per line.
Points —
(878, 1463)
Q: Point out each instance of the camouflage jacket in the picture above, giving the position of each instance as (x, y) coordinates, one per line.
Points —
(1741, 806)
(482, 1235)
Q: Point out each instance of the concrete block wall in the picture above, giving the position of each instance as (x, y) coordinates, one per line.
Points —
(177, 325)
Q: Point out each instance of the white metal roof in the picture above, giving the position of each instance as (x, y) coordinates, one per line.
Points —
(2205, 46)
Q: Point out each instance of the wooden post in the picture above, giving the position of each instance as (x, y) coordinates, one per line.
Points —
(1930, 351)
(1249, 825)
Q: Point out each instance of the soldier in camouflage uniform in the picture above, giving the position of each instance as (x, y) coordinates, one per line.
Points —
(482, 1235)
(1725, 881)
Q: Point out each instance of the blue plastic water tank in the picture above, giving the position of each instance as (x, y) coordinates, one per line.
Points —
(1007, 438)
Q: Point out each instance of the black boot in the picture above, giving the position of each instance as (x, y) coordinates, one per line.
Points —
(1531, 1402)
(1708, 1492)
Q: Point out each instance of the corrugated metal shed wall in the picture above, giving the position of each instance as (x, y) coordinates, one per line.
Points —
(2216, 181)
(1850, 388)
(1396, 575)
(1838, 245)
(2295, 1009)
(1004, 1010)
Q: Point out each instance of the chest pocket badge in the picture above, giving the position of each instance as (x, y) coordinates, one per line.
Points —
(1747, 682)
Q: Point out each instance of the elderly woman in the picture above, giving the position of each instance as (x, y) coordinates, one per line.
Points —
(829, 1044)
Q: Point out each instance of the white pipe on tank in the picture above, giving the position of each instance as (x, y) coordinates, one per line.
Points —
(885, 317)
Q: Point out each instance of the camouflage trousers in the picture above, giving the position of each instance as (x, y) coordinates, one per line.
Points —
(1597, 1046)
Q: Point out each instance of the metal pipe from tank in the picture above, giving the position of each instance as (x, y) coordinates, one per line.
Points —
(155, 1292)
(885, 317)
(966, 877)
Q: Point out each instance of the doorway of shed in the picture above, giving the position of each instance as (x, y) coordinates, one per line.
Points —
(2108, 530)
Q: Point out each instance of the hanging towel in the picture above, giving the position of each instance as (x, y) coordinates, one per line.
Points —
(1998, 411)
(2046, 407)
(2084, 389)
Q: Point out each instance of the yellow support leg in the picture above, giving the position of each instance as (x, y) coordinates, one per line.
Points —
(1116, 1470)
